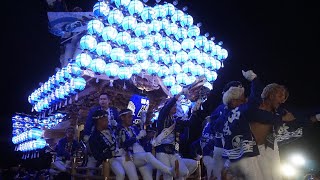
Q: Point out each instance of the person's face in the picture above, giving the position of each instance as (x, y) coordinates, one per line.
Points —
(103, 122)
(70, 133)
(104, 100)
(239, 101)
(278, 98)
(127, 119)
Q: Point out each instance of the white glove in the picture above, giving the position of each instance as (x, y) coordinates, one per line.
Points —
(142, 134)
(154, 142)
(113, 123)
(318, 117)
(249, 75)
(86, 138)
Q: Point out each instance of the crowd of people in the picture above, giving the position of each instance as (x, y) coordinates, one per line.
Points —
(235, 135)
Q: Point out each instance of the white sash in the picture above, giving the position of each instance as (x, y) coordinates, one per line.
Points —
(165, 132)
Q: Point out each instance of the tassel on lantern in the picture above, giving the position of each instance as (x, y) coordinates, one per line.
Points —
(32, 109)
(56, 106)
(59, 105)
(97, 80)
(66, 102)
(22, 156)
(222, 64)
(38, 154)
(76, 98)
(28, 156)
(111, 83)
(31, 157)
(70, 100)
(124, 85)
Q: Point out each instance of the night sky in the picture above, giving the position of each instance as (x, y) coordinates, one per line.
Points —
(276, 39)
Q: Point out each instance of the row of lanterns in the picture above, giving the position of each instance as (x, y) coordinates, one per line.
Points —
(31, 134)
(32, 145)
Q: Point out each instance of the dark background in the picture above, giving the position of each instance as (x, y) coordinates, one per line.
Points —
(277, 39)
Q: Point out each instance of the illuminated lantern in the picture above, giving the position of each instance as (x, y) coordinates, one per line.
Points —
(200, 42)
(153, 69)
(193, 54)
(151, 51)
(123, 38)
(209, 46)
(175, 89)
(176, 47)
(136, 69)
(103, 49)
(159, 56)
(175, 69)
(147, 42)
(181, 34)
(117, 54)
(148, 14)
(216, 50)
(187, 67)
(172, 29)
(177, 17)
(181, 57)
(74, 70)
(154, 27)
(124, 73)
(95, 27)
(193, 31)
(141, 29)
(122, 3)
(129, 23)
(224, 54)
(163, 71)
(112, 70)
(145, 65)
(187, 44)
(169, 59)
(160, 12)
(130, 59)
(156, 38)
(164, 24)
(169, 81)
(88, 42)
(202, 58)
(66, 76)
(135, 8)
(142, 55)
(115, 17)
(83, 60)
(169, 10)
(187, 21)
(197, 70)
(182, 78)
(59, 78)
(210, 75)
(98, 66)
(135, 45)
(101, 10)
(45, 103)
(216, 65)
(166, 43)
(109, 33)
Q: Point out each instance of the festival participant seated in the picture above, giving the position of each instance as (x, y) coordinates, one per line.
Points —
(167, 142)
(130, 137)
(239, 143)
(65, 149)
(104, 145)
(104, 102)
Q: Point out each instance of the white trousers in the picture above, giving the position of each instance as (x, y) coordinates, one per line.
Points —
(208, 162)
(246, 168)
(218, 162)
(169, 160)
(269, 162)
(120, 167)
(60, 165)
(142, 159)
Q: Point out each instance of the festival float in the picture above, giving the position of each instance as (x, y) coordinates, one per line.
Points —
(125, 48)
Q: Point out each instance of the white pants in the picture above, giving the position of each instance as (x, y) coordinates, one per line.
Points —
(60, 165)
(142, 159)
(208, 162)
(269, 162)
(169, 160)
(246, 168)
(120, 167)
(218, 162)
